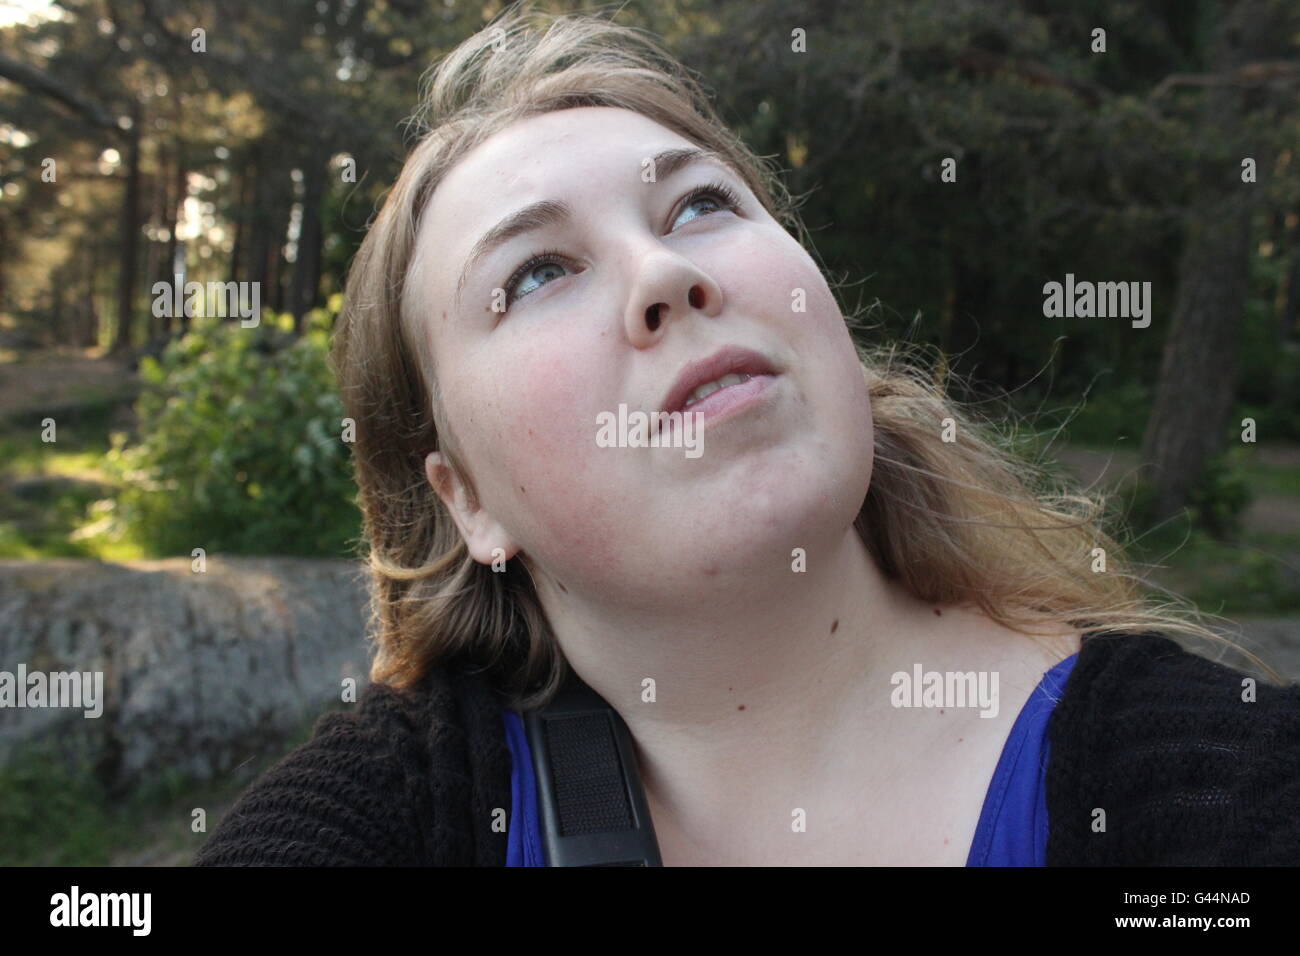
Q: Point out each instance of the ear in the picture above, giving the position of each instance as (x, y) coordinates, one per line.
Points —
(482, 534)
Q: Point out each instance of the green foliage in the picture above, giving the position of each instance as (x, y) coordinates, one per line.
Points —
(1220, 577)
(1107, 417)
(240, 446)
(52, 812)
(1270, 385)
(50, 491)
(1215, 505)
(1218, 502)
(1255, 585)
(1134, 505)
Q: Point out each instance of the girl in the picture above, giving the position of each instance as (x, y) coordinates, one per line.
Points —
(784, 621)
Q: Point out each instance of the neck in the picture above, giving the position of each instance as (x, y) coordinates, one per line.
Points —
(767, 688)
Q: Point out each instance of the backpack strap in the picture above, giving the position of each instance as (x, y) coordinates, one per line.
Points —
(592, 802)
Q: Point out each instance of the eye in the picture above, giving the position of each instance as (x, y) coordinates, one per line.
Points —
(720, 195)
(723, 197)
(551, 258)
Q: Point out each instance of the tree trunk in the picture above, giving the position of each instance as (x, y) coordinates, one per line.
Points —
(1202, 354)
(239, 219)
(94, 332)
(59, 323)
(306, 271)
(275, 258)
(130, 236)
(1202, 349)
(271, 208)
(157, 215)
(4, 258)
(175, 207)
(1289, 321)
(259, 242)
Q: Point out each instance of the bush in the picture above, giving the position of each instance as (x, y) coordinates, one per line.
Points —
(1216, 505)
(1278, 413)
(1108, 416)
(1219, 502)
(240, 446)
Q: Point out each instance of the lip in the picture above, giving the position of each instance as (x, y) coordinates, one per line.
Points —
(726, 361)
(727, 402)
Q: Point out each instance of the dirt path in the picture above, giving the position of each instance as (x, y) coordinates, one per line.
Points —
(58, 378)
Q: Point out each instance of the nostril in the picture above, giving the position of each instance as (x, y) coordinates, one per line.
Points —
(652, 318)
(696, 297)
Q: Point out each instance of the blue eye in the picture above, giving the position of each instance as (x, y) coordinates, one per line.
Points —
(722, 196)
(549, 258)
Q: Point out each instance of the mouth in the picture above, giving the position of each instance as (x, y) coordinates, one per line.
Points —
(699, 382)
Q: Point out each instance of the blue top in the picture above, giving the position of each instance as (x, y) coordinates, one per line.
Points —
(524, 838)
(1012, 829)
(1013, 824)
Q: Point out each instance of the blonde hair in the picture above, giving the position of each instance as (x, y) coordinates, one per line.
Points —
(962, 522)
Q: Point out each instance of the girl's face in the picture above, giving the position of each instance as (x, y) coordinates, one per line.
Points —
(641, 280)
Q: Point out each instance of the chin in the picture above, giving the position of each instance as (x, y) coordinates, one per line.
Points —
(811, 508)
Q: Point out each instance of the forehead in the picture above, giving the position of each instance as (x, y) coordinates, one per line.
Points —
(537, 157)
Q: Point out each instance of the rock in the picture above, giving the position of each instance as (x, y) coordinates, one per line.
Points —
(202, 672)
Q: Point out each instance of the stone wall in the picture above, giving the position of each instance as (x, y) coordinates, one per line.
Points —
(201, 671)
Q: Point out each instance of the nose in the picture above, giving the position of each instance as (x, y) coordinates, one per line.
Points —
(668, 287)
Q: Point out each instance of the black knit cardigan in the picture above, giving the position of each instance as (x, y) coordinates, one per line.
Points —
(1161, 740)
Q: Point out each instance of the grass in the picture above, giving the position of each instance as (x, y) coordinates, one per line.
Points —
(54, 495)
(54, 812)
(1257, 573)
(1274, 480)
(51, 815)
(1249, 576)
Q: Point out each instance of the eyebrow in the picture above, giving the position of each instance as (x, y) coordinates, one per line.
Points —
(549, 212)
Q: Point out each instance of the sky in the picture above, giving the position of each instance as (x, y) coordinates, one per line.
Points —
(18, 11)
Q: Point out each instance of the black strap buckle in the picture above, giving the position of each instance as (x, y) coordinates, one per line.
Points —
(590, 796)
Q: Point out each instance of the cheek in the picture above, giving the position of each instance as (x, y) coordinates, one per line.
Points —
(781, 281)
(541, 472)
(833, 385)
(786, 285)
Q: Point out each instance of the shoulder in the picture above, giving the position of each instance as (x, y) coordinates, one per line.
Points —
(1163, 757)
(404, 778)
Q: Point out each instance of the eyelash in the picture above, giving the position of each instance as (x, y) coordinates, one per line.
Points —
(730, 202)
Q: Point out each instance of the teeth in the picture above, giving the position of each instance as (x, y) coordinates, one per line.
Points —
(708, 388)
